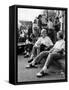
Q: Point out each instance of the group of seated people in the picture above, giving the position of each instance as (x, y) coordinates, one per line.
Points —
(46, 44)
(44, 47)
(33, 34)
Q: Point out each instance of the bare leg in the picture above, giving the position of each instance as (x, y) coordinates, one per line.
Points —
(33, 52)
(49, 59)
(39, 57)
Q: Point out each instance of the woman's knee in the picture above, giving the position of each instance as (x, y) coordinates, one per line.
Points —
(51, 55)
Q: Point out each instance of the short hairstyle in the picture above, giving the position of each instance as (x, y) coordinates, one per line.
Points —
(43, 30)
(40, 16)
(60, 34)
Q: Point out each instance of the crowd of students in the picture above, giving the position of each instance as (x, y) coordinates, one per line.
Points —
(43, 40)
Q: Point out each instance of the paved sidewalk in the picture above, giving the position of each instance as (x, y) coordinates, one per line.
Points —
(30, 74)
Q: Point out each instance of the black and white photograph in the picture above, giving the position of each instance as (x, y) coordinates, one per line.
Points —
(41, 41)
(34, 45)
